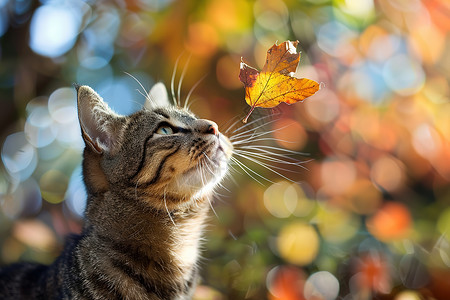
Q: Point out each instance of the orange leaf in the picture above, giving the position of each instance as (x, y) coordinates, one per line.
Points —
(275, 83)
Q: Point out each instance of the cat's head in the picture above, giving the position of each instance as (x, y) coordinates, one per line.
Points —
(160, 152)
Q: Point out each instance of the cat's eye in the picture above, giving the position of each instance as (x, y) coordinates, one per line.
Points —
(165, 130)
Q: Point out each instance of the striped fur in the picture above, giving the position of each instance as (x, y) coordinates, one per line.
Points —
(148, 194)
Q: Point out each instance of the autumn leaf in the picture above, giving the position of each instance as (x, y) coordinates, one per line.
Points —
(276, 83)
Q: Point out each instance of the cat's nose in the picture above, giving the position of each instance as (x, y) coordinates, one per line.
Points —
(207, 127)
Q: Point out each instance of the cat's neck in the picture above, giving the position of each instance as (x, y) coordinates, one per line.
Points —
(168, 243)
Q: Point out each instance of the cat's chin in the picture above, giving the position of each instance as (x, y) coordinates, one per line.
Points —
(200, 181)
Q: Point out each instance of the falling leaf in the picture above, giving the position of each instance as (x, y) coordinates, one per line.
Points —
(276, 83)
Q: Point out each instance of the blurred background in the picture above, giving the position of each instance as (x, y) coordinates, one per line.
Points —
(368, 216)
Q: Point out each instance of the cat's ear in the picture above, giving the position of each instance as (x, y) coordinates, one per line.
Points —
(157, 97)
(100, 126)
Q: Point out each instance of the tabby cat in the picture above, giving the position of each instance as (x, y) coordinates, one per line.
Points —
(149, 177)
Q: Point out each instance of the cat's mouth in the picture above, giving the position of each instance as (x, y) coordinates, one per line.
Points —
(215, 155)
(225, 145)
(221, 153)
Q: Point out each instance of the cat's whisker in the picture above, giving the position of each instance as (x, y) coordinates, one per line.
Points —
(190, 104)
(186, 101)
(180, 81)
(250, 139)
(274, 157)
(266, 166)
(207, 166)
(236, 133)
(248, 170)
(267, 147)
(203, 166)
(269, 139)
(172, 80)
(272, 165)
(242, 166)
(141, 93)
(270, 158)
(261, 133)
(253, 135)
(249, 127)
(248, 133)
(222, 186)
(212, 208)
(209, 200)
(229, 127)
(167, 209)
(219, 184)
(144, 93)
(234, 169)
(284, 156)
(247, 124)
(200, 171)
(229, 176)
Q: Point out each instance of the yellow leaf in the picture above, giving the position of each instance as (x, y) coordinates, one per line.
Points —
(275, 83)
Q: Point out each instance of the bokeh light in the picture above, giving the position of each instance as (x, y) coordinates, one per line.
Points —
(321, 285)
(283, 133)
(280, 199)
(35, 234)
(54, 29)
(392, 221)
(298, 243)
(76, 195)
(343, 196)
(372, 273)
(336, 225)
(443, 223)
(408, 295)
(285, 282)
(19, 156)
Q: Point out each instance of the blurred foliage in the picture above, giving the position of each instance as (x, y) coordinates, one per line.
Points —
(371, 215)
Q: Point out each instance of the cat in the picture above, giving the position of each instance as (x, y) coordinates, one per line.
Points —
(149, 178)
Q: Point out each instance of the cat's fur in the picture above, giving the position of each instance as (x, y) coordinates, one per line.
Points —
(149, 177)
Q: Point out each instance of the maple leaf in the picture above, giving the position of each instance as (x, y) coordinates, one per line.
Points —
(275, 83)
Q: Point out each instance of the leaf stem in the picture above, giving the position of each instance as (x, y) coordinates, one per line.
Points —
(248, 115)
